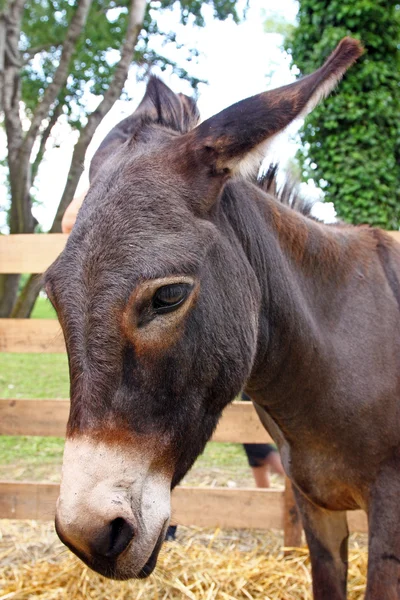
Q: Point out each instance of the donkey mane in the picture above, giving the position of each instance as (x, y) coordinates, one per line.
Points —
(343, 244)
(331, 250)
(289, 194)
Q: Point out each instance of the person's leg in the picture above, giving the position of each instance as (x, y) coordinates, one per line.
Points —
(274, 462)
(171, 533)
(261, 476)
(260, 458)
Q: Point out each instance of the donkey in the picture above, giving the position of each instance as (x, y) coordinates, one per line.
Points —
(182, 283)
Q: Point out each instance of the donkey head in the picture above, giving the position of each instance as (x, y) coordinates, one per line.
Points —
(159, 308)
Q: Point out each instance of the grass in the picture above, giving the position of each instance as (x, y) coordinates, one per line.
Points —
(43, 309)
(16, 448)
(46, 376)
(40, 458)
(34, 376)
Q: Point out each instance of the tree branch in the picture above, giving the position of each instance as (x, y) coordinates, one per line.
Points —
(135, 22)
(3, 31)
(20, 215)
(8, 292)
(60, 76)
(45, 136)
(74, 173)
(29, 53)
(26, 300)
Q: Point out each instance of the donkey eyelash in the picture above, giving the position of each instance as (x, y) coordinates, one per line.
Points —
(170, 297)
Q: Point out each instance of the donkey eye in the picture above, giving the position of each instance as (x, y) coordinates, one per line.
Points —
(168, 297)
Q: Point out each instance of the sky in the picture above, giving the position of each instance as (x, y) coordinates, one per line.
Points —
(237, 60)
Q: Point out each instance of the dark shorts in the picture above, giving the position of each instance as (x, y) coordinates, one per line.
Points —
(257, 453)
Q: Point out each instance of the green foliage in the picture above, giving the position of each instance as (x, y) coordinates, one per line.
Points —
(274, 22)
(193, 8)
(45, 25)
(351, 142)
(44, 28)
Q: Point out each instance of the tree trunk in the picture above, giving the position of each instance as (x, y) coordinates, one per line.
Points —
(20, 144)
(137, 11)
(8, 293)
(23, 307)
(57, 112)
(21, 217)
(75, 171)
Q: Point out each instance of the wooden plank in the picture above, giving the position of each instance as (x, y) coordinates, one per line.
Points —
(292, 524)
(26, 500)
(239, 422)
(203, 507)
(23, 253)
(228, 508)
(29, 253)
(33, 417)
(357, 521)
(31, 335)
(40, 335)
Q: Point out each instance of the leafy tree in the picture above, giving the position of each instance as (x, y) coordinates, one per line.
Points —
(351, 143)
(53, 54)
(274, 22)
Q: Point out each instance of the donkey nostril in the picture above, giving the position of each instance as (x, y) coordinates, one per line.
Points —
(121, 536)
(114, 539)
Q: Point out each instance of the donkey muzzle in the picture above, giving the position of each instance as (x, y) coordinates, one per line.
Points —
(113, 509)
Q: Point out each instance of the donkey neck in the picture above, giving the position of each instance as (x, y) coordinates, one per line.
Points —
(302, 268)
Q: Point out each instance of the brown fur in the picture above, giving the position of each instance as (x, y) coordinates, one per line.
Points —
(150, 344)
(304, 315)
(115, 434)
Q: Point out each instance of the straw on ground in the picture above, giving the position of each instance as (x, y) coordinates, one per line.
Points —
(202, 565)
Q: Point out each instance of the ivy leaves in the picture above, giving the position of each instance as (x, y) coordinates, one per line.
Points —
(351, 143)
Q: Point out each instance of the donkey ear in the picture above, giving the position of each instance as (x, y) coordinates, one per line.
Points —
(234, 140)
(190, 112)
(160, 105)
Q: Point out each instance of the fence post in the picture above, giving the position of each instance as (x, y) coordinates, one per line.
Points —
(292, 525)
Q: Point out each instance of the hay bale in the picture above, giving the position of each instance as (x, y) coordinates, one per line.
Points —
(202, 565)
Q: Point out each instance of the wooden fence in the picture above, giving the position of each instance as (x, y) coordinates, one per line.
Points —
(204, 507)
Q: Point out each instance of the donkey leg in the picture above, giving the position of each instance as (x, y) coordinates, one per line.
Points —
(327, 535)
(383, 582)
